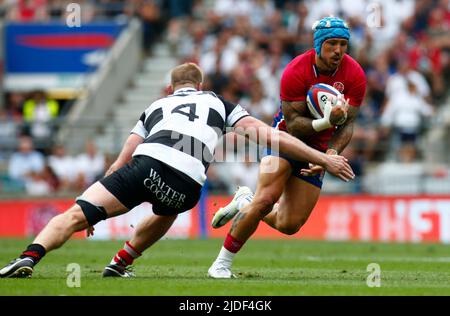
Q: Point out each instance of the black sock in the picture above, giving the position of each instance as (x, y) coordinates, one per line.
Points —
(35, 252)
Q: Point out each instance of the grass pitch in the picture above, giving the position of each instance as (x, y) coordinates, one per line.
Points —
(264, 268)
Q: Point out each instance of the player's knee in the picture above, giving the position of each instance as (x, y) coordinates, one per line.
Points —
(264, 204)
(265, 164)
(58, 222)
(76, 219)
(289, 229)
(72, 220)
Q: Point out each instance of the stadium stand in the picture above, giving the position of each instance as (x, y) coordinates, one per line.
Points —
(243, 46)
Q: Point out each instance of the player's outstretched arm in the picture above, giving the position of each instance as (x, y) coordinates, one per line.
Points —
(261, 133)
(126, 154)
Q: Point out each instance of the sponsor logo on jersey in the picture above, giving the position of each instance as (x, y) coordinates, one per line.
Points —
(339, 86)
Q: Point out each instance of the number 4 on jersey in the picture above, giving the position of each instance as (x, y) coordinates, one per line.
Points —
(191, 114)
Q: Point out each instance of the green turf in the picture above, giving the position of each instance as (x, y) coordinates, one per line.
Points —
(264, 268)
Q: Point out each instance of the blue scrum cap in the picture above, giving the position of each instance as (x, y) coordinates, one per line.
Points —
(329, 27)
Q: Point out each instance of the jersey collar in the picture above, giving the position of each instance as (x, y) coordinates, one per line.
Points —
(184, 90)
(317, 73)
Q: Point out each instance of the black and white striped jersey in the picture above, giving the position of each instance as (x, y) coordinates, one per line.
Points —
(183, 129)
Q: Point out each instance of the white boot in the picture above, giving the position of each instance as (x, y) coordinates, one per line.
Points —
(242, 198)
(221, 268)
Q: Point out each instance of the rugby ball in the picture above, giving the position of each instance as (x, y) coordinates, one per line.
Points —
(318, 95)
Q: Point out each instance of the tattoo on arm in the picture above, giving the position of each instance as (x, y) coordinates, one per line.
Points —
(343, 135)
(297, 123)
(236, 222)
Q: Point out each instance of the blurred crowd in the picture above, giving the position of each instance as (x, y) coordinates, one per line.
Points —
(31, 159)
(244, 45)
(36, 114)
(403, 46)
(36, 174)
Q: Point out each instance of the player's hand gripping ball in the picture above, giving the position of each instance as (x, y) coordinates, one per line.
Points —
(317, 99)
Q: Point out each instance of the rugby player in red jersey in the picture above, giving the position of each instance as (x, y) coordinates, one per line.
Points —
(297, 185)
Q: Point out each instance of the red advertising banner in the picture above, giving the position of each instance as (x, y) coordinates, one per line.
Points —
(27, 218)
(365, 218)
(122, 227)
(358, 218)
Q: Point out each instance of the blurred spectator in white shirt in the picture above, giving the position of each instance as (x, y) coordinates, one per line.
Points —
(224, 56)
(245, 175)
(232, 8)
(26, 161)
(390, 14)
(63, 166)
(398, 82)
(319, 9)
(404, 114)
(90, 165)
(258, 104)
(260, 11)
(43, 183)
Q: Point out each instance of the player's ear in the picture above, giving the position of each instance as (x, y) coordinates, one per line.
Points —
(169, 89)
(200, 87)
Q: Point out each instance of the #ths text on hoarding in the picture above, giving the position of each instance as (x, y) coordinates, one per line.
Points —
(356, 218)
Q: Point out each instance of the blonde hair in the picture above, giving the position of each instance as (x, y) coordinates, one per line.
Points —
(185, 74)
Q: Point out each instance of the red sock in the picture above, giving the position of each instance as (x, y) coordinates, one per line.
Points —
(126, 256)
(34, 251)
(232, 244)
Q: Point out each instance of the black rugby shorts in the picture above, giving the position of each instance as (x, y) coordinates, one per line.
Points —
(145, 179)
